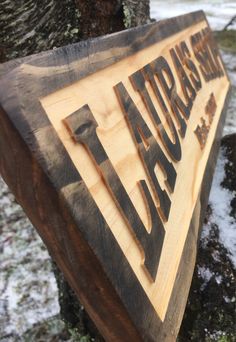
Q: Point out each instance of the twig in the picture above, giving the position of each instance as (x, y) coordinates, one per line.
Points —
(230, 23)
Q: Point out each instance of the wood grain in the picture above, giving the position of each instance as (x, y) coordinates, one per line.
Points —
(114, 135)
(86, 132)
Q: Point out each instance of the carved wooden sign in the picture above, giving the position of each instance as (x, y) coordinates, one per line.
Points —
(110, 145)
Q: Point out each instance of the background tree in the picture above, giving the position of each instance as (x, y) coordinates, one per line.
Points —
(31, 26)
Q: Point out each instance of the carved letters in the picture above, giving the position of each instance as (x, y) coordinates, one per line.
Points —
(177, 111)
(117, 139)
(203, 130)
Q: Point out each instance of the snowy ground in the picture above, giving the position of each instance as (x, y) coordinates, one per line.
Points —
(230, 63)
(220, 200)
(28, 292)
(218, 12)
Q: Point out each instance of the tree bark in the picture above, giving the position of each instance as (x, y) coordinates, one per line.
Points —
(32, 26)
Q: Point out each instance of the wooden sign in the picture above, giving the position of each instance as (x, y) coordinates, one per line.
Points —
(109, 145)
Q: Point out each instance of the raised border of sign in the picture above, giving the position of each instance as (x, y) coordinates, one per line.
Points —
(108, 287)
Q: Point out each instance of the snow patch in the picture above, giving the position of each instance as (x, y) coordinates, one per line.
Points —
(218, 12)
(220, 200)
(206, 274)
(28, 290)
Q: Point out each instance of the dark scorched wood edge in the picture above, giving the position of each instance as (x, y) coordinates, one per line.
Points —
(79, 244)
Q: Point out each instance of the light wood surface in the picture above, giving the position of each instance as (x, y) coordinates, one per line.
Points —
(97, 90)
(123, 235)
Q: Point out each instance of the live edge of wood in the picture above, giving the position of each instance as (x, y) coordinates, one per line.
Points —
(37, 184)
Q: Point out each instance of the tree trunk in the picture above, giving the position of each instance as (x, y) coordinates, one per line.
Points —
(32, 26)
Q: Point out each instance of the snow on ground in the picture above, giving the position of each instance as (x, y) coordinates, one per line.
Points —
(219, 12)
(206, 274)
(230, 63)
(220, 199)
(28, 291)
